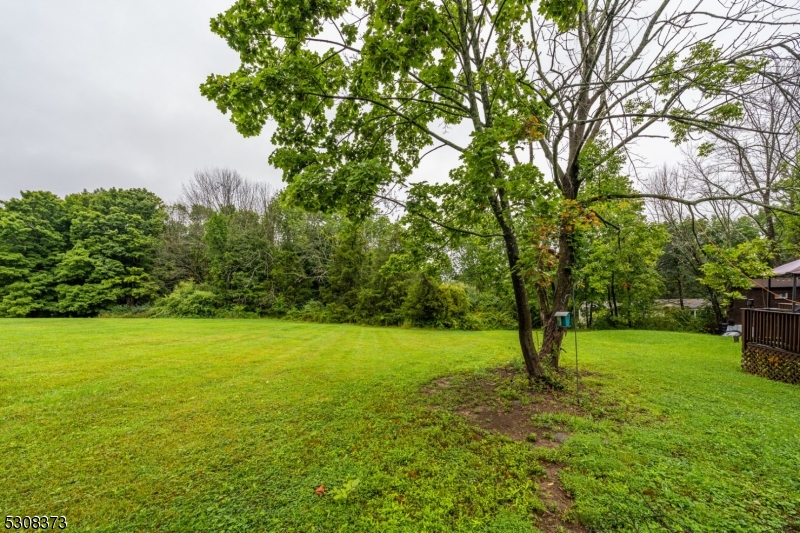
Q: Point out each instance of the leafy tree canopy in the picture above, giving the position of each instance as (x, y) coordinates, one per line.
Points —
(79, 255)
(361, 91)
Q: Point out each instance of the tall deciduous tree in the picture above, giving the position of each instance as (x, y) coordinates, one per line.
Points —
(751, 170)
(113, 235)
(79, 255)
(34, 233)
(361, 91)
(617, 257)
(731, 270)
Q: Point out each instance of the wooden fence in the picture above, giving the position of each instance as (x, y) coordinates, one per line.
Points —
(771, 344)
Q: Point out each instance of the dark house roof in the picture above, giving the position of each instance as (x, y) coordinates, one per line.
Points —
(788, 268)
(783, 276)
(688, 303)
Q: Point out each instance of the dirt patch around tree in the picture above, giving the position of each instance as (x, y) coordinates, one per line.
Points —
(503, 401)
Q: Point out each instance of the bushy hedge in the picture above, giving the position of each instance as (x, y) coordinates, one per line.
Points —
(433, 304)
(189, 301)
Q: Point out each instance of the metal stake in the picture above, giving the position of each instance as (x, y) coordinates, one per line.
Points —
(575, 334)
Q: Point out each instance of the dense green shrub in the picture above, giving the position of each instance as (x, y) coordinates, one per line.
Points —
(490, 319)
(675, 319)
(279, 307)
(236, 311)
(432, 304)
(381, 302)
(489, 310)
(312, 311)
(187, 300)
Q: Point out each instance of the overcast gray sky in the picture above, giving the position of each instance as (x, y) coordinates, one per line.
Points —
(104, 93)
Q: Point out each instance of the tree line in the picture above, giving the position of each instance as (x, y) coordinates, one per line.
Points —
(233, 248)
(229, 248)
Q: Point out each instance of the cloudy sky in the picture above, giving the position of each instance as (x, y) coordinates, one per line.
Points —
(100, 93)
(104, 93)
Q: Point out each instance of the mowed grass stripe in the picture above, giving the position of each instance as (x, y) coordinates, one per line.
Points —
(109, 410)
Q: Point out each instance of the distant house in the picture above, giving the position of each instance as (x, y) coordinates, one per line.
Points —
(771, 326)
(772, 293)
(691, 304)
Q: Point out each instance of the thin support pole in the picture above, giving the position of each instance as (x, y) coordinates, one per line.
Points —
(575, 334)
(769, 291)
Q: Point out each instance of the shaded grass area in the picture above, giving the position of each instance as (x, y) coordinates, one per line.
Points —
(197, 425)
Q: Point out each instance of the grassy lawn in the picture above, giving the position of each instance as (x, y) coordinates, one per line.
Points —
(228, 425)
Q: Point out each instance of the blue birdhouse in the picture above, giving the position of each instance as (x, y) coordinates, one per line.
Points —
(563, 319)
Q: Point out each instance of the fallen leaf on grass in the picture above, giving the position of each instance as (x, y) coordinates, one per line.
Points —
(320, 491)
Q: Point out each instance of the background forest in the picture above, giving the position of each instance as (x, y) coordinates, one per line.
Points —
(232, 248)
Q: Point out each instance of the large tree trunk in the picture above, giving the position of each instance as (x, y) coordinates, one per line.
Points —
(532, 358)
(553, 335)
(533, 362)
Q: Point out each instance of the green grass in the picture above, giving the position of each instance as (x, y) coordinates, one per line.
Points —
(229, 425)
